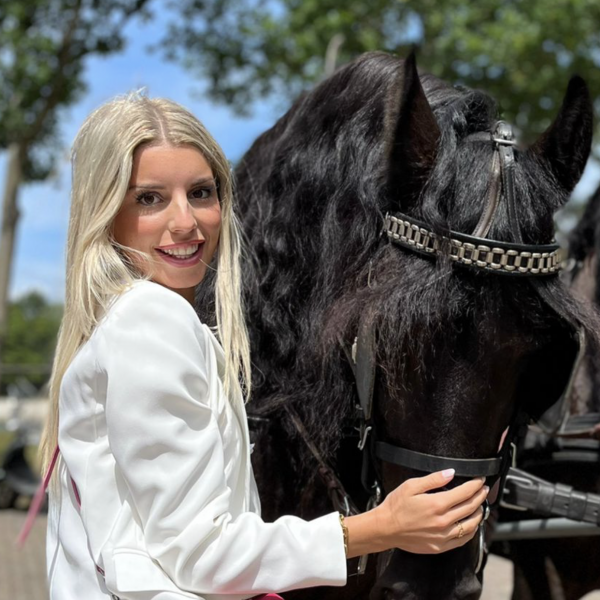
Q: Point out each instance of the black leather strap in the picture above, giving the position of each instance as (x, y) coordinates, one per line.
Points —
(341, 500)
(547, 499)
(504, 138)
(464, 467)
(365, 368)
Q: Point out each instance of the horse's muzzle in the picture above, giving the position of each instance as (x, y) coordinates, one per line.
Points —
(447, 576)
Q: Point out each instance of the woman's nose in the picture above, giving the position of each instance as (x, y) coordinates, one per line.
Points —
(181, 216)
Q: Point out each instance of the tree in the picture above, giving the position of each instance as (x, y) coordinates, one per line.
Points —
(29, 344)
(520, 51)
(43, 45)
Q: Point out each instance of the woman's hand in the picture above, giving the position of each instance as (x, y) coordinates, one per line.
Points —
(422, 523)
(430, 523)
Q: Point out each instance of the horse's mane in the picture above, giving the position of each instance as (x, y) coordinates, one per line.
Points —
(312, 193)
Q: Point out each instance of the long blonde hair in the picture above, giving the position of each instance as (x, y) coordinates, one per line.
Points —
(102, 159)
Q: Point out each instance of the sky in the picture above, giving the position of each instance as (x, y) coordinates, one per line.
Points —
(39, 260)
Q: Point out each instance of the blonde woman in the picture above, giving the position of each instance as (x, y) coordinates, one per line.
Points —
(153, 494)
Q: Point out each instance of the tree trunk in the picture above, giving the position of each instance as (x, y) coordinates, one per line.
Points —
(10, 217)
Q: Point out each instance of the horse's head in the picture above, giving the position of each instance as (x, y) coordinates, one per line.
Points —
(457, 349)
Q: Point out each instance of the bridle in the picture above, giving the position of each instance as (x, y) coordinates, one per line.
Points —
(514, 259)
(476, 252)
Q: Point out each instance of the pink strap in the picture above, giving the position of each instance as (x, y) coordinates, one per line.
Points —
(268, 597)
(36, 503)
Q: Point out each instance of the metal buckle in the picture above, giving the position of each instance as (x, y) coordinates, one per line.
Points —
(505, 142)
(503, 134)
(369, 275)
(364, 434)
(513, 455)
(486, 510)
(504, 503)
(347, 510)
(375, 499)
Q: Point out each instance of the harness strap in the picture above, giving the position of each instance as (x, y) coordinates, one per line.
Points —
(341, 500)
(366, 366)
(487, 216)
(505, 140)
(581, 427)
(525, 491)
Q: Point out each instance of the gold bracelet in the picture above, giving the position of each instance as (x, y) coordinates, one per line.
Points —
(345, 533)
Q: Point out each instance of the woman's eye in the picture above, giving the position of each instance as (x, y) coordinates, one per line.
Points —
(148, 199)
(203, 193)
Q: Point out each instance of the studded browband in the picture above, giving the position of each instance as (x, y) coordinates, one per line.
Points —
(481, 253)
(475, 250)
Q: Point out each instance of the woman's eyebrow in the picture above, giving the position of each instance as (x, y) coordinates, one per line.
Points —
(203, 180)
(159, 186)
(146, 186)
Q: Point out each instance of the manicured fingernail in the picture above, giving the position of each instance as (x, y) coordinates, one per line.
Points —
(448, 473)
(486, 488)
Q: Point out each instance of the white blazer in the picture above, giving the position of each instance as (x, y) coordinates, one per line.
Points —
(160, 459)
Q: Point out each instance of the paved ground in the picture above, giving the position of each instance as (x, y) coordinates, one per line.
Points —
(498, 579)
(22, 572)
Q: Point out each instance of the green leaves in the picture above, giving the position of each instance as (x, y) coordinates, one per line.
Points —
(43, 46)
(521, 52)
(32, 329)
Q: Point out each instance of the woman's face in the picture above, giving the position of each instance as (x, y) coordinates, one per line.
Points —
(172, 213)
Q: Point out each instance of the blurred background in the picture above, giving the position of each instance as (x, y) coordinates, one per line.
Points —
(237, 64)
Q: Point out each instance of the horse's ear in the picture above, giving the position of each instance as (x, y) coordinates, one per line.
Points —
(566, 144)
(414, 140)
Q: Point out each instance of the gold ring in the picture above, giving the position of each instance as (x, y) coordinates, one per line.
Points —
(461, 531)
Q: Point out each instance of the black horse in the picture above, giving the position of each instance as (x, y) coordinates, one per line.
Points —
(567, 568)
(457, 349)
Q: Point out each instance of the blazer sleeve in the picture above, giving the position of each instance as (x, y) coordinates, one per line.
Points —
(168, 447)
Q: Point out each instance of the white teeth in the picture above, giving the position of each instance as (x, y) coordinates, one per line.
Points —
(181, 251)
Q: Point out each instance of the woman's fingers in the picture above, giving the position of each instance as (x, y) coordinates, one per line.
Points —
(459, 494)
(428, 483)
(469, 506)
(464, 531)
(467, 528)
(432, 523)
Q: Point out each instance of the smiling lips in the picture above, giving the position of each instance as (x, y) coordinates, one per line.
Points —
(182, 255)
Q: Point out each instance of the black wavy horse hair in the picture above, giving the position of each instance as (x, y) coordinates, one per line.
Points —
(312, 193)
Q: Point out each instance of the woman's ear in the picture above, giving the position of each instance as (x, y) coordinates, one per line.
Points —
(565, 146)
